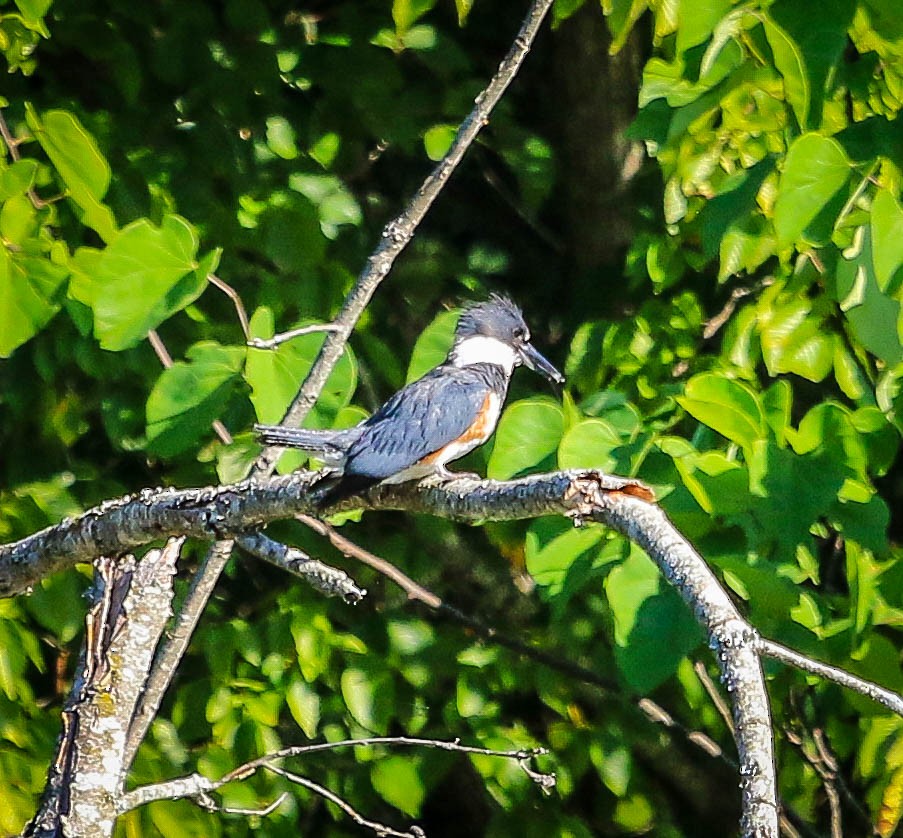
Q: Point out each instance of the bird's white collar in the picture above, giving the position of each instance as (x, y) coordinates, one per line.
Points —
(480, 349)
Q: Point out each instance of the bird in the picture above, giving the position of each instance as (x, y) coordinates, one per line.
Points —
(451, 410)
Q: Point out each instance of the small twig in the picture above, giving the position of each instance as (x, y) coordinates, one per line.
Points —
(811, 754)
(210, 805)
(160, 349)
(658, 715)
(329, 581)
(714, 324)
(282, 337)
(546, 236)
(867, 178)
(386, 568)
(714, 696)
(13, 145)
(199, 788)
(893, 701)
(830, 778)
(379, 828)
(233, 295)
(455, 745)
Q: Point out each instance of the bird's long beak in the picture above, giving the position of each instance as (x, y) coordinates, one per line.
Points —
(536, 362)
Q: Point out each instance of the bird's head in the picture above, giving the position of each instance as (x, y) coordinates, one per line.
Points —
(494, 332)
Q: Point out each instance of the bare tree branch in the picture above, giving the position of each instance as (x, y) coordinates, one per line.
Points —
(233, 295)
(199, 788)
(893, 701)
(327, 794)
(283, 337)
(733, 639)
(329, 581)
(219, 512)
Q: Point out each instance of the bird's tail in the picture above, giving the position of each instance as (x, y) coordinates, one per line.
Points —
(331, 445)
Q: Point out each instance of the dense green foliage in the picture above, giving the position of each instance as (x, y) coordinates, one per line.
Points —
(742, 353)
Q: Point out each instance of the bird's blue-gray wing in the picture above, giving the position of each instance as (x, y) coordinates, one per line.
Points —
(417, 421)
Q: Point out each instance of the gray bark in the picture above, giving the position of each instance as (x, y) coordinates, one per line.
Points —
(131, 604)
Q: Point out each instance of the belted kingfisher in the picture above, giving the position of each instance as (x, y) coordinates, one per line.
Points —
(436, 419)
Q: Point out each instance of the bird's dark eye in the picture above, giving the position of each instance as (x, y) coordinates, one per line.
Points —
(520, 333)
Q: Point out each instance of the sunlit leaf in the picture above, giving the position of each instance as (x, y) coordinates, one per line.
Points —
(815, 169)
(528, 433)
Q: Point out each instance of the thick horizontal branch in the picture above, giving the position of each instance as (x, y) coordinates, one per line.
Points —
(218, 512)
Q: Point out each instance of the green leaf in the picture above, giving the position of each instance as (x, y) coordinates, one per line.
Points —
(815, 169)
(234, 461)
(552, 549)
(281, 138)
(887, 239)
(589, 444)
(729, 407)
(879, 437)
(463, 8)
(777, 401)
(697, 21)
(17, 179)
(405, 13)
(304, 705)
(820, 40)
(788, 58)
(793, 338)
(77, 159)
(528, 432)
(190, 395)
(654, 629)
(293, 237)
(54, 604)
(873, 315)
(18, 223)
(437, 141)
(433, 344)
(419, 37)
(27, 289)
(744, 247)
(397, 780)
(862, 575)
(369, 695)
(335, 204)
(147, 274)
